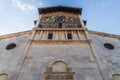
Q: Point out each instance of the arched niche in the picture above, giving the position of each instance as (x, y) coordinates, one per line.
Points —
(59, 70)
(3, 76)
(59, 66)
(115, 77)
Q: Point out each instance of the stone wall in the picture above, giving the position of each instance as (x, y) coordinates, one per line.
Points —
(89, 60)
(77, 55)
(107, 59)
(11, 60)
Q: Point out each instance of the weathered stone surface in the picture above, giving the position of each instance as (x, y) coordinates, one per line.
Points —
(33, 63)
(108, 60)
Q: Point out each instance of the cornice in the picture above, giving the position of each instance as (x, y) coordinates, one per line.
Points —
(16, 34)
(104, 34)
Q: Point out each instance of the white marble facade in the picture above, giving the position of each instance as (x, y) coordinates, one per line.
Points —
(85, 55)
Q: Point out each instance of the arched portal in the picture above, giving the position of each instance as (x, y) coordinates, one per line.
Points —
(60, 71)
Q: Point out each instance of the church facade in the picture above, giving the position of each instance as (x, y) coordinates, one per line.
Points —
(60, 47)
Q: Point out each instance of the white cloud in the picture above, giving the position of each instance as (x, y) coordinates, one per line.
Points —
(2, 32)
(40, 3)
(24, 6)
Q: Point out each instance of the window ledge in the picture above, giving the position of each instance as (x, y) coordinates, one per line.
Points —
(60, 41)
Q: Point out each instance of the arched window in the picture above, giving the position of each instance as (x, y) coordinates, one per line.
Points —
(3, 76)
(116, 77)
(59, 70)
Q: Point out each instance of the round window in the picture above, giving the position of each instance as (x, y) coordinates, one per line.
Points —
(108, 46)
(10, 46)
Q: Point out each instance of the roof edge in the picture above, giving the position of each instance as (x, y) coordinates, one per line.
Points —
(15, 34)
(52, 9)
(104, 34)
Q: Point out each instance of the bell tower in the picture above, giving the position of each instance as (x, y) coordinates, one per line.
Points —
(60, 24)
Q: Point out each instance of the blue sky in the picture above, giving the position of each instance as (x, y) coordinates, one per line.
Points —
(19, 15)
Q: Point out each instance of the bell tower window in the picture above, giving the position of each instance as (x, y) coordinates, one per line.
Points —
(50, 35)
(69, 35)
